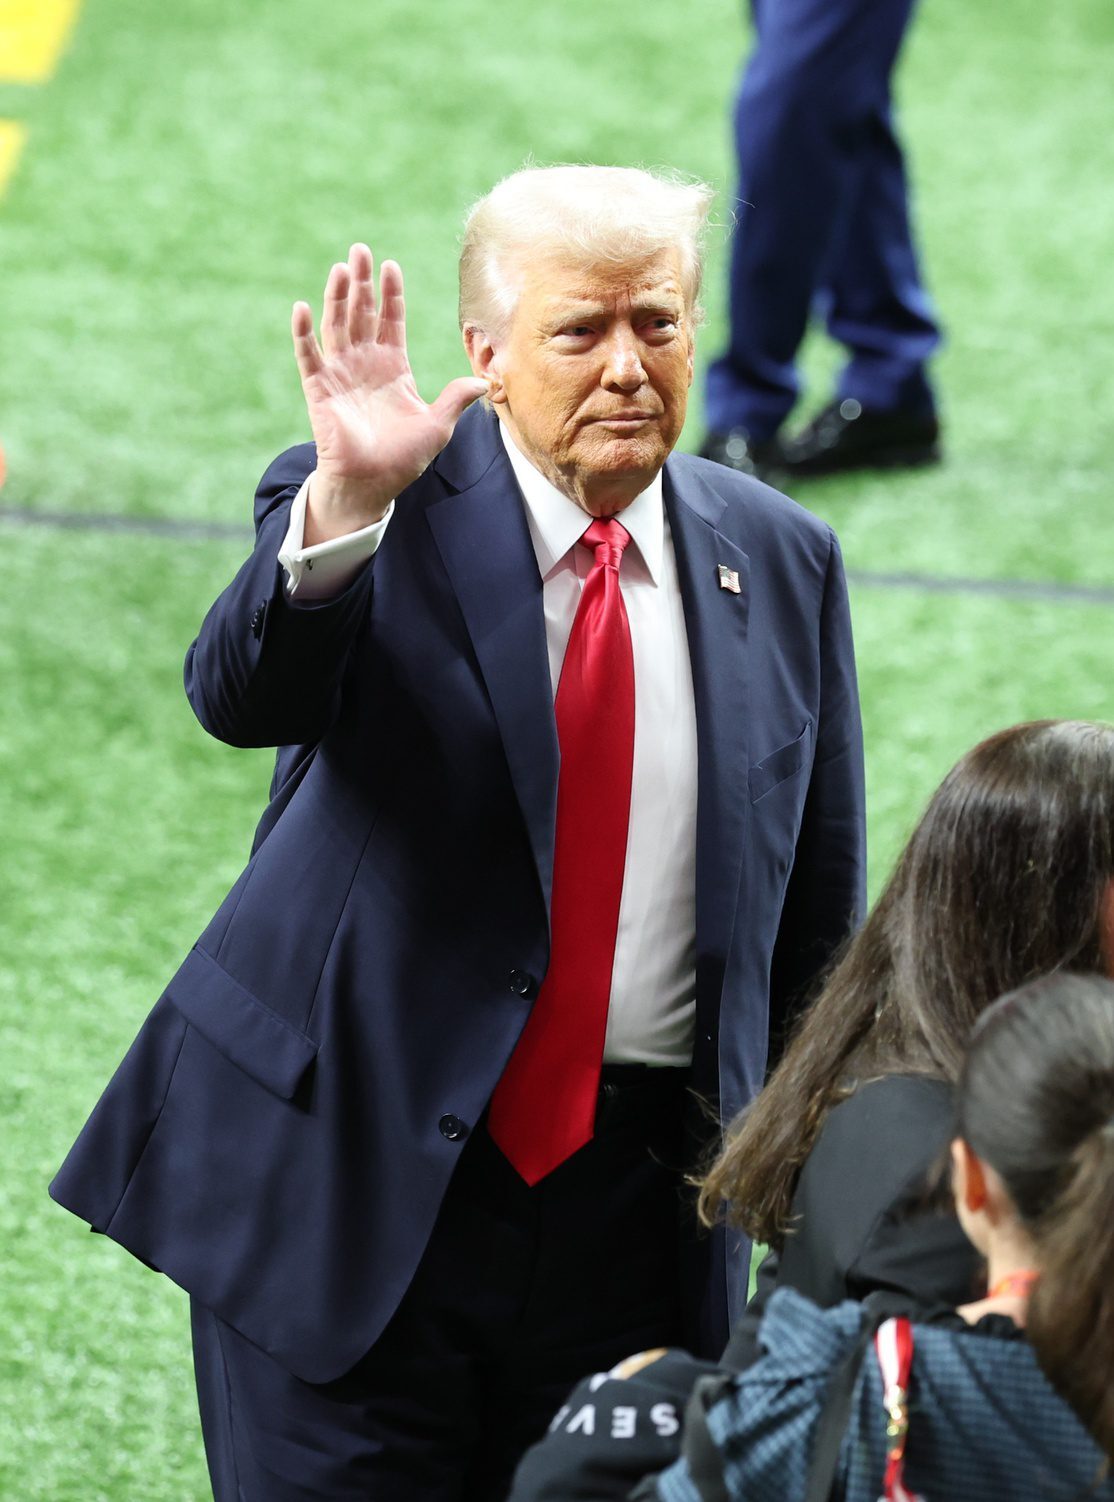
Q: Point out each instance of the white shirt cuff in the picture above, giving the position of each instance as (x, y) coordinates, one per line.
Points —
(326, 568)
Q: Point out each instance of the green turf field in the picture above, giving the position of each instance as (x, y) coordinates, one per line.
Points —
(188, 171)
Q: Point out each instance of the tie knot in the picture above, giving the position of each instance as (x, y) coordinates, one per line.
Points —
(608, 538)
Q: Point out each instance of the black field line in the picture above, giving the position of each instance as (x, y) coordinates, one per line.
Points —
(211, 531)
(1013, 589)
(152, 526)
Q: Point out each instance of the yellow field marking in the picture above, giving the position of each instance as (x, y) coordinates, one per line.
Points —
(12, 137)
(32, 35)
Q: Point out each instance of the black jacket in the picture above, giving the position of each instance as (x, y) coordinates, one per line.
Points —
(859, 1224)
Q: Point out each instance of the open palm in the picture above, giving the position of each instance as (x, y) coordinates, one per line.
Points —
(374, 433)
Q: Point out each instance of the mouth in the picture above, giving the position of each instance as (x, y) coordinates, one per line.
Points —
(624, 421)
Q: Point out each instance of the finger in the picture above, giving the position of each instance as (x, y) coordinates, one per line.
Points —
(457, 396)
(334, 315)
(361, 295)
(392, 307)
(307, 351)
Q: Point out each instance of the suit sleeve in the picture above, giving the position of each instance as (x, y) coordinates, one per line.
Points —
(743, 1348)
(826, 894)
(264, 670)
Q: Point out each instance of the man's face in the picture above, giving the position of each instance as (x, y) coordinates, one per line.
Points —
(592, 377)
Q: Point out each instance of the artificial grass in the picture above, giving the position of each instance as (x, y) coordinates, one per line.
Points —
(123, 824)
(188, 172)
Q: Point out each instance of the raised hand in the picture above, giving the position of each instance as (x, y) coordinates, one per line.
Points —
(374, 434)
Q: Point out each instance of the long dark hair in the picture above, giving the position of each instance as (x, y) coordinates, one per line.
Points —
(1036, 1101)
(1001, 881)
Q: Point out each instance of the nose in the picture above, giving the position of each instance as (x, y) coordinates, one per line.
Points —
(623, 366)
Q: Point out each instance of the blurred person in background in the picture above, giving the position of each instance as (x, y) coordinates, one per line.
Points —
(568, 813)
(823, 227)
(1008, 875)
(1007, 1396)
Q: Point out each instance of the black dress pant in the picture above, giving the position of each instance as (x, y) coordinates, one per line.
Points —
(520, 1293)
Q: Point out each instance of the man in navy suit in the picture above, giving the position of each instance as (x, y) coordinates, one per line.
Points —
(567, 813)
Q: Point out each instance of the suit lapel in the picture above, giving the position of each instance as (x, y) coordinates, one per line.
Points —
(716, 621)
(484, 542)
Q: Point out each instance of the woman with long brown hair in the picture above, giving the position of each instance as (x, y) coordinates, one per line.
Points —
(1007, 876)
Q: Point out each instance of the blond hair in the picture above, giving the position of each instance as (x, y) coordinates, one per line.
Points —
(591, 214)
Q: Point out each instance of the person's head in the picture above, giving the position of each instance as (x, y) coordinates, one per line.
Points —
(1006, 877)
(579, 298)
(1009, 875)
(1034, 1160)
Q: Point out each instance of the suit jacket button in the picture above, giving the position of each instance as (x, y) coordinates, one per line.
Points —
(453, 1128)
(521, 982)
(257, 621)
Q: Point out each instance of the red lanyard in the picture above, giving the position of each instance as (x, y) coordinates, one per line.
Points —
(894, 1346)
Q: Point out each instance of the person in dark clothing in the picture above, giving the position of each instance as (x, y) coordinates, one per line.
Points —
(1004, 1398)
(823, 226)
(558, 831)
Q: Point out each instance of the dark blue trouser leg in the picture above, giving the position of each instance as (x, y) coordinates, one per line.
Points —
(811, 151)
(877, 307)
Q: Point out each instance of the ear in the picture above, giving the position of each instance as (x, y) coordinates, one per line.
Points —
(968, 1178)
(692, 356)
(484, 360)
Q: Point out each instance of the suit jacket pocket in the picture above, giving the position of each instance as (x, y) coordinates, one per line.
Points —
(243, 1028)
(780, 764)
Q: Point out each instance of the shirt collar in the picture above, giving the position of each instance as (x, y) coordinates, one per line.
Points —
(557, 524)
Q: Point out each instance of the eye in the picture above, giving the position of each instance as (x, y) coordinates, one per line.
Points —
(661, 326)
(578, 331)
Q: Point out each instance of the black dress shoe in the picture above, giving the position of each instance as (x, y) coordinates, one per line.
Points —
(846, 435)
(738, 450)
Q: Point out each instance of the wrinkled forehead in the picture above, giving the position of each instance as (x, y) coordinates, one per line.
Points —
(554, 280)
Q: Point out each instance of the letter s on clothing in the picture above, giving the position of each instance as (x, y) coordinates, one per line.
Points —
(663, 1416)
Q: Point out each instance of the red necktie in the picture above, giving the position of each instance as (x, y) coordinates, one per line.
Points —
(544, 1106)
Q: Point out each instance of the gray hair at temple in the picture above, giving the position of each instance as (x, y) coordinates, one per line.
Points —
(591, 214)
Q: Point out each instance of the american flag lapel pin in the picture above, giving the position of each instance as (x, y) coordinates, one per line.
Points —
(728, 578)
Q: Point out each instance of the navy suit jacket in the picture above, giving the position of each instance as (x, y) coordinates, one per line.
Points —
(280, 1136)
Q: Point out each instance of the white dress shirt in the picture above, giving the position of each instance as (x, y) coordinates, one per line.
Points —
(651, 1013)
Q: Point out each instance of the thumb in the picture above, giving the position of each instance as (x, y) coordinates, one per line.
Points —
(458, 395)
